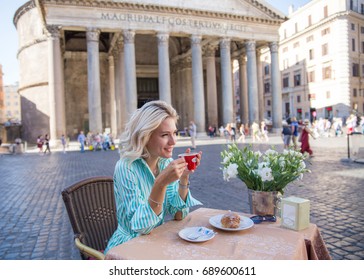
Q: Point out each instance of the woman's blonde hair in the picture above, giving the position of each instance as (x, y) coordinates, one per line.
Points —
(141, 125)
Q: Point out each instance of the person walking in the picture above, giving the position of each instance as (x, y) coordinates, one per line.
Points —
(294, 129)
(264, 131)
(81, 138)
(193, 131)
(233, 133)
(287, 134)
(242, 133)
(221, 131)
(46, 143)
(305, 143)
(40, 144)
(63, 142)
(255, 132)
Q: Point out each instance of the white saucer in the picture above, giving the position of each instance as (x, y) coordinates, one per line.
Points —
(186, 233)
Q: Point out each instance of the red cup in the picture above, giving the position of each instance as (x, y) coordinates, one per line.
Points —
(191, 160)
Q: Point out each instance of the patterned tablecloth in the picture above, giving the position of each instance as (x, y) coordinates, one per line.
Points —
(265, 241)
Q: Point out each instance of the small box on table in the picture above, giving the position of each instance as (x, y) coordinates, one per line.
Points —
(295, 213)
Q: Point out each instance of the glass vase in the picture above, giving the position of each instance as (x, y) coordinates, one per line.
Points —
(264, 203)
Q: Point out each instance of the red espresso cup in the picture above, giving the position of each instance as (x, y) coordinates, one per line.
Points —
(191, 160)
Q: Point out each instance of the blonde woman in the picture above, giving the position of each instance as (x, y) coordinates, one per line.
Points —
(148, 183)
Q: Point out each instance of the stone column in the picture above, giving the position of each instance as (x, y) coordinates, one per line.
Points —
(197, 84)
(260, 88)
(57, 111)
(130, 72)
(93, 80)
(244, 109)
(226, 82)
(112, 95)
(163, 67)
(276, 88)
(212, 110)
(185, 91)
(252, 82)
(233, 90)
(120, 99)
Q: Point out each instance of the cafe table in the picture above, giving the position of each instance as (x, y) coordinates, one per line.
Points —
(264, 241)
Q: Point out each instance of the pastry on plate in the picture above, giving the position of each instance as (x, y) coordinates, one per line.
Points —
(230, 220)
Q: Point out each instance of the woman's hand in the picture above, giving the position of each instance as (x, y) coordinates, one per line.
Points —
(172, 172)
(187, 172)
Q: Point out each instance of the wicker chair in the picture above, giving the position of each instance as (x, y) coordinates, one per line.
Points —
(91, 209)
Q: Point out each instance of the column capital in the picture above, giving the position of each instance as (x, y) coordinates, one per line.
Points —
(210, 50)
(163, 38)
(196, 39)
(225, 43)
(186, 62)
(250, 46)
(119, 45)
(273, 46)
(128, 36)
(92, 34)
(242, 60)
(53, 30)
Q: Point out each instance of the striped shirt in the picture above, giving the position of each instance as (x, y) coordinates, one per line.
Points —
(132, 186)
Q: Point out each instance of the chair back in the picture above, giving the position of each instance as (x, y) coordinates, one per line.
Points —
(91, 209)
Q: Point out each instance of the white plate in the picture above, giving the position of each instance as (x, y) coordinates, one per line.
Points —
(245, 223)
(190, 231)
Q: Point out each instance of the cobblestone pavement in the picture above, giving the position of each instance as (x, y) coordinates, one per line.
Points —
(34, 223)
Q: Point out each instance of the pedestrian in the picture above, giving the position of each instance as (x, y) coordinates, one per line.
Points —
(264, 131)
(242, 133)
(294, 129)
(232, 133)
(255, 132)
(46, 143)
(64, 142)
(40, 144)
(211, 131)
(227, 133)
(193, 131)
(81, 138)
(304, 137)
(148, 183)
(287, 134)
(221, 131)
(18, 147)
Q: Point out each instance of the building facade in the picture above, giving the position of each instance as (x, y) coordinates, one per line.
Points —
(321, 52)
(2, 111)
(87, 65)
(12, 109)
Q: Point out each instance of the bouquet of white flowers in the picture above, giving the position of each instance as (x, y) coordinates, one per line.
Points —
(271, 171)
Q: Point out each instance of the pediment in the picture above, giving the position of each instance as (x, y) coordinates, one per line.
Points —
(247, 8)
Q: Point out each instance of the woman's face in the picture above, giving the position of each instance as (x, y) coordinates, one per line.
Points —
(163, 139)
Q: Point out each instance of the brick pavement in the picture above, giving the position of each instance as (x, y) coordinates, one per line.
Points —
(34, 222)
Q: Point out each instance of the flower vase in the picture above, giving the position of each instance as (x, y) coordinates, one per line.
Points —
(264, 203)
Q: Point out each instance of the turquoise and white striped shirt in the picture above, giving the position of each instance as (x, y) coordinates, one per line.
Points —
(132, 186)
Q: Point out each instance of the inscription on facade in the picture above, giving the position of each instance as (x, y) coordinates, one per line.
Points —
(172, 21)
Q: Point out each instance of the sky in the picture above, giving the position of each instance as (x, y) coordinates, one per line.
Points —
(9, 37)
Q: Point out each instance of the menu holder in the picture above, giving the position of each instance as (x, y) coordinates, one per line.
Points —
(295, 213)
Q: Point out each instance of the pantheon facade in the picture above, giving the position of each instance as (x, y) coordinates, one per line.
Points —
(88, 64)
